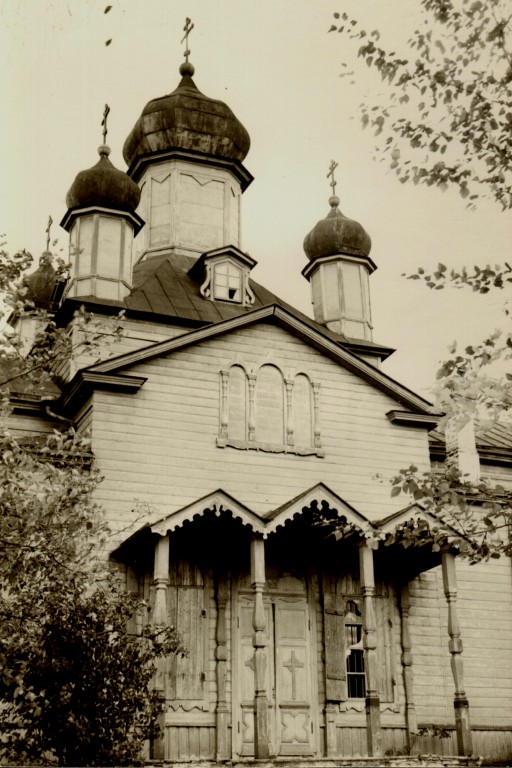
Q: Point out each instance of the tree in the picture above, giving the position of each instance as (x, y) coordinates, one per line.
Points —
(51, 345)
(446, 120)
(75, 683)
(446, 114)
(474, 384)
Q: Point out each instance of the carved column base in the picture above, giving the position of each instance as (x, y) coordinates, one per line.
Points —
(331, 747)
(412, 728)
(463, 727)
(261, 735)
(222, 749)
(157, 743)
(373, 731)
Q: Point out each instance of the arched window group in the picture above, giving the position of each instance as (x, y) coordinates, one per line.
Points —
(267, 410)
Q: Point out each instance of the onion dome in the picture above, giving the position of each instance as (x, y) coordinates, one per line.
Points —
(39, 286)
(104, 185)
(187, 119)
(337, 234)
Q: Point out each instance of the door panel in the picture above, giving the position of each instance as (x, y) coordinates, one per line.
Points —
(288, 677)
(293, 683)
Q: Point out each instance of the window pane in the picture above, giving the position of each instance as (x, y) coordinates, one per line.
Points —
(227, 282)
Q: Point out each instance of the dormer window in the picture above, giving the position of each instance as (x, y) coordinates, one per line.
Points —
(225, 275)
(227, 282)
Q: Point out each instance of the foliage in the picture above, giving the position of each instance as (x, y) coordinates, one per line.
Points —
(475, 382)
(74, 683)
(474, 385)
(446, 113)
(475, 517)
(52, 346)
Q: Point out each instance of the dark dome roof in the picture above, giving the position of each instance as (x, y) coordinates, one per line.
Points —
(104, 185)
(337, 234)
(38, 287)
(187, 119)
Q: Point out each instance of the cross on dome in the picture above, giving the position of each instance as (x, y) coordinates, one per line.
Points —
(104, 123)
(333, 182)
(187, 29)
(47, 230)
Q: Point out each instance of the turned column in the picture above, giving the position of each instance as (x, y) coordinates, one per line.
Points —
(373, 729)
(261, 731)
(461, 704)
(161, 582)
(405, 633)
(222, 751)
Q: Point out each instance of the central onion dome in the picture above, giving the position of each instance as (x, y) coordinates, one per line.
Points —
(187, 119)
(337, 234)
(103, 185)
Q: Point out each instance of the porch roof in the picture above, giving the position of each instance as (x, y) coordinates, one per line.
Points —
(412, 525)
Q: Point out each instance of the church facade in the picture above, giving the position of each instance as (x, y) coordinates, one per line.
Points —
(234, 434)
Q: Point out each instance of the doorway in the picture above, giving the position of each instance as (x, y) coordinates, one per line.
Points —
(289, 675)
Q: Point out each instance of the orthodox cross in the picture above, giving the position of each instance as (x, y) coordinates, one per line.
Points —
(187, 29)
(332, 168)
(48, 228)
(104, 123)
(293, 665)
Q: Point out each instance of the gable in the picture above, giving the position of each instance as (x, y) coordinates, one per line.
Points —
(293, 324)
(171, 442)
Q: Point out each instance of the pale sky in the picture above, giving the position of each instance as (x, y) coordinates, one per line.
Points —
(279, 70)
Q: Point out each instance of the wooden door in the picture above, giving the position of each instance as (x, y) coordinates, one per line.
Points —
(288, 678)
(293, 678)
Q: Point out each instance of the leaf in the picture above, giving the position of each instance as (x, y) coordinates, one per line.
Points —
(107, 9)
(396, 490)
(107, 42)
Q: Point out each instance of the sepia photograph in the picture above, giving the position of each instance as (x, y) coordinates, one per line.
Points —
(256, 383)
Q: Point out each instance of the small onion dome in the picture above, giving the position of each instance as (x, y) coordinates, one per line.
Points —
(187, 119)
(337, 234)
(105, 186)
(38, 287)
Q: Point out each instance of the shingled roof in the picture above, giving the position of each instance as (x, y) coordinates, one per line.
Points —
(492, 444)
(165, 286)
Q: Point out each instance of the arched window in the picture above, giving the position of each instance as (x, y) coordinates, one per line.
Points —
(270, 405)
(237, 404)
(302, 411)
(265, 411)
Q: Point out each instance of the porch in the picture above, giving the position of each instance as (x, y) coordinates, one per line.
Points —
(271, 605)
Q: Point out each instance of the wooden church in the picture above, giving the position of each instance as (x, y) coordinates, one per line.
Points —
(236, 423)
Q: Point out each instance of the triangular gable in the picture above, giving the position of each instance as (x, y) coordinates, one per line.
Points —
(293, 324)
(219, 502)
(416, 513)
(319, 495)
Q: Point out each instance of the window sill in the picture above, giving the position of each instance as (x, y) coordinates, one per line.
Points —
(246, 445)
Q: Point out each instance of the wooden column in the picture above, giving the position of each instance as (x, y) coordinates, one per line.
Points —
(410, 709)
(261, 730)
(373, 729)
(161, 581)
(461, 704)
(222, 750)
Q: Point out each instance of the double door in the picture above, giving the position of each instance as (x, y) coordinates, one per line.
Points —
(288, 677)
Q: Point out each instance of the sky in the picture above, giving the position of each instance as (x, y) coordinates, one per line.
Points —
(278, 68)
